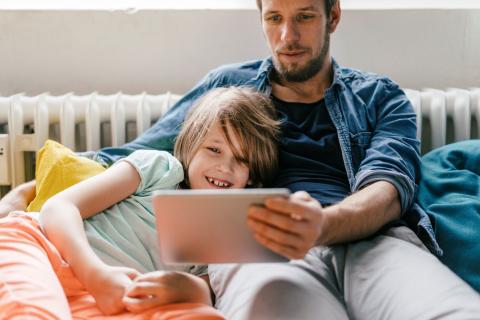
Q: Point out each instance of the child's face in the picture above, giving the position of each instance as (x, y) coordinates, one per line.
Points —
(214, 165)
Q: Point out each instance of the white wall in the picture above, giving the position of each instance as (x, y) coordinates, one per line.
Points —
(160, 50)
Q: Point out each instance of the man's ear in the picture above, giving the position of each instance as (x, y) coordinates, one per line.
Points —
(335, 15)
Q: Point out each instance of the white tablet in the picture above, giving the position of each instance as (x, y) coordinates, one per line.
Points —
(210, 226)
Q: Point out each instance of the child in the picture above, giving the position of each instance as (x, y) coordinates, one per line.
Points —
(102, 230)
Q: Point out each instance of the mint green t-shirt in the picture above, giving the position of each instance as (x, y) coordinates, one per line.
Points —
(125, 234)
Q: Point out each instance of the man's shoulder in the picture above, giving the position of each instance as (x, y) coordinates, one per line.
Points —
(367, 86)
(358, 78)
(237, 73)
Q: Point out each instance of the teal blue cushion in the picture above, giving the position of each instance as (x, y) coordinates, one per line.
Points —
(449, 191)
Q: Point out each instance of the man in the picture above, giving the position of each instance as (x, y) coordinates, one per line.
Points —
(349, 149)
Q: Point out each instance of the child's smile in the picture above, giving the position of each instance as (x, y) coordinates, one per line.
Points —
(219, 183)
(215, 165)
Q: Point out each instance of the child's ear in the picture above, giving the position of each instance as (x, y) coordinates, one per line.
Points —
(249, 183)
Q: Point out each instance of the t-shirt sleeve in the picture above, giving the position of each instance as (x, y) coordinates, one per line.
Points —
(157, 170)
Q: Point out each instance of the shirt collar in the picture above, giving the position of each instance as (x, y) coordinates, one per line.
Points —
(337, 76)
(265, 69)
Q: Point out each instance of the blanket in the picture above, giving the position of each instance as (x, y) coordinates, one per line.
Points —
(449, 191)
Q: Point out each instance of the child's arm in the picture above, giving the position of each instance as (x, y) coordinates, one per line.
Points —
(61, 218)
(165, 287)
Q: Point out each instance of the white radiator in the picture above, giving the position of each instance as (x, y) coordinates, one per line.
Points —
(93, 121)
(452, 115)
(81, 123)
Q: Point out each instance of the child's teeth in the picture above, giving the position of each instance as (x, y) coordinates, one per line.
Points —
(218, 183)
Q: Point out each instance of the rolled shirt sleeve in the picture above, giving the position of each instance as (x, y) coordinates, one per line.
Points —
(393, 154)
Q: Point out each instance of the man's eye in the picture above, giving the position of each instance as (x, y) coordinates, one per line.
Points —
(274, 18)
(305, 17)
(213, 149)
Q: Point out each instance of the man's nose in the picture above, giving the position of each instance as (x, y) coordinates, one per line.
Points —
(290, 32)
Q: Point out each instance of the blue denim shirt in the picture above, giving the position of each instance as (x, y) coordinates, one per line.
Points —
(374, 119)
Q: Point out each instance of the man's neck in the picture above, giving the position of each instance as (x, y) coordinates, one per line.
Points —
(308, 91)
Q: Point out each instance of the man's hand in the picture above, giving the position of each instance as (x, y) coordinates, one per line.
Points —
(17, 199)
(288, 226)
(164, 287)
(108, 286)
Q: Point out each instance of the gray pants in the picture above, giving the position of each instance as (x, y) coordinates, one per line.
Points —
(391, 276)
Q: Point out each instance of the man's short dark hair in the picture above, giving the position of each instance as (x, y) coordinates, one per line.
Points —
(328, 6)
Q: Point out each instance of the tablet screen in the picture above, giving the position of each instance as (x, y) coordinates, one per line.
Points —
(210, 226)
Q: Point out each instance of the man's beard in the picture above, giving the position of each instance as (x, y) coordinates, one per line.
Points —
(305, 73)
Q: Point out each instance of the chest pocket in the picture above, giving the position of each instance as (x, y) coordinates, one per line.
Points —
(359, 142)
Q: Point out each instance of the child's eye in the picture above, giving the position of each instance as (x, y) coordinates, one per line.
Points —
(242, 161)
(213, 149)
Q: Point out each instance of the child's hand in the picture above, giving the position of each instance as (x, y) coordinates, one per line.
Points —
(108, 286)
(17, 199)
(164, 287)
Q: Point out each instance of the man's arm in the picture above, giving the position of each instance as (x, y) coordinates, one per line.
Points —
(361, 214)
(18, 198)
(292, 226)
(393, 152)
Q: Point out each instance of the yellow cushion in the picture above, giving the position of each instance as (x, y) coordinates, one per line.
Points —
(58, 168)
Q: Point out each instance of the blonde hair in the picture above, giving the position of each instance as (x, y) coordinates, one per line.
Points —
(249, 114)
